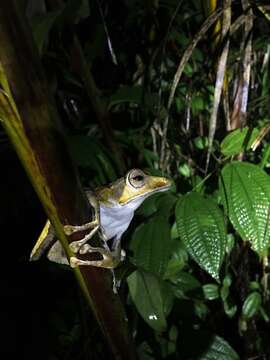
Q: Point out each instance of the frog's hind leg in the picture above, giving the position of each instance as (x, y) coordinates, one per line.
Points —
(110, 260)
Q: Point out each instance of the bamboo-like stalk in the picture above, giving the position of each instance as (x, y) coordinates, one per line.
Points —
(29, 118)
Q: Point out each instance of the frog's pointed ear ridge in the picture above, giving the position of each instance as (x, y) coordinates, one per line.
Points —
(46, 238)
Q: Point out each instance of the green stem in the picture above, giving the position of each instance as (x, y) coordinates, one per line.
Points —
(265, 157)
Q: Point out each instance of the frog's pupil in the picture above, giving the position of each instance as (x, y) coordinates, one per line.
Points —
(138, 178)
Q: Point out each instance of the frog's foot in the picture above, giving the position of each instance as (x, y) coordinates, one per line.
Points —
(110, 259)
(108, 262)
(76, 246)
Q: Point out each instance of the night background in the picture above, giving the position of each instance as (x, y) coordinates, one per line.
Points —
(92, 89)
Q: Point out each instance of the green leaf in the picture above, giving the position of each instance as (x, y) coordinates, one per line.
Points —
(200, 225)
(151, 245)
(41, 26)
(201, 142)
(185, 284)
(219, 350)
(238, 141)
(245, 190)
(197, 104)
(167, 295)
(200, 309)
(165, 203)
(178, 260)
(146, 293)
(145, 352)
(211, 291)
(252, 304)
(126, 94)
(174, 232)
(88, 152)
(185, 170)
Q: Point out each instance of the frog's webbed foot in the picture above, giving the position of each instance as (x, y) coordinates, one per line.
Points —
(93, 226)
(76, 246)
(110, 260)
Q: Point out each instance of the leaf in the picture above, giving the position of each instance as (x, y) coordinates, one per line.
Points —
(148, 207)
(157, 203)
(185, 284)
(197, 104)
(245, 190)
(167, 295)
(146, 294)
(135, 95)
(88, 152)
(211, 291)
(219, 350)
(165, 203)
(150, 157)
(200, 225)
(238, 140)
(126, 94)
(42, 25)
(178, 260)
(151, 244)
(145, 352)
(252, 304)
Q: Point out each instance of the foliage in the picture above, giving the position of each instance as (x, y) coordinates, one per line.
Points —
(199, 289)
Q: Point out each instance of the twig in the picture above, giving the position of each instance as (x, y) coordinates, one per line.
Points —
(221, 68)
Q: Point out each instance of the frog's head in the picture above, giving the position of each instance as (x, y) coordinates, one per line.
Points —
(133, 189)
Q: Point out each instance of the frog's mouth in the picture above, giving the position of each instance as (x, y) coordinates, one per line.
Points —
(159, 184)
(162, 186)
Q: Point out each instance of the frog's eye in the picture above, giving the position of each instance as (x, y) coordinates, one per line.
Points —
(136, 178)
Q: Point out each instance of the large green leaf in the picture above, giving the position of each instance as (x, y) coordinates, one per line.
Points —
(200, 225)
(245, 190)
(151, 245)
(219, 350)
(148, 297)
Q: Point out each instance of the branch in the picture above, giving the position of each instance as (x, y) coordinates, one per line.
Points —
(29, 118)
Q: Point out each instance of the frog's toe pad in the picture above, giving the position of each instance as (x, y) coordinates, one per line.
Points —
(74, 262)
(69, 229)
(74, 247)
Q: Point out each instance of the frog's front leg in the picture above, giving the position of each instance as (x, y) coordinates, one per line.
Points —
(94, 225)
(109, 260)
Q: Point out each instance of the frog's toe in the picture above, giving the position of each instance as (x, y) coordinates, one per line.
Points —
(74, 247)
(69, 229)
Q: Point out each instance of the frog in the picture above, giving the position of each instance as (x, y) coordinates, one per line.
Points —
(114, 206)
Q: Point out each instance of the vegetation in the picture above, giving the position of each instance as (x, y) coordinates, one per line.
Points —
(177, 88)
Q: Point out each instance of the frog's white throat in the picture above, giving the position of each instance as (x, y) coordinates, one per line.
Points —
(114, 220)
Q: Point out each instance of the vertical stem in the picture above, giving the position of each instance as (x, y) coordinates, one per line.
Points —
(30, 119)
(265, 276)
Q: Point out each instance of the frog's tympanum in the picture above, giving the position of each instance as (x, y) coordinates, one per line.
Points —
(114, 207)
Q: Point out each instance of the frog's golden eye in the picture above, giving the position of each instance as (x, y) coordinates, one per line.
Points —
(136, 178)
